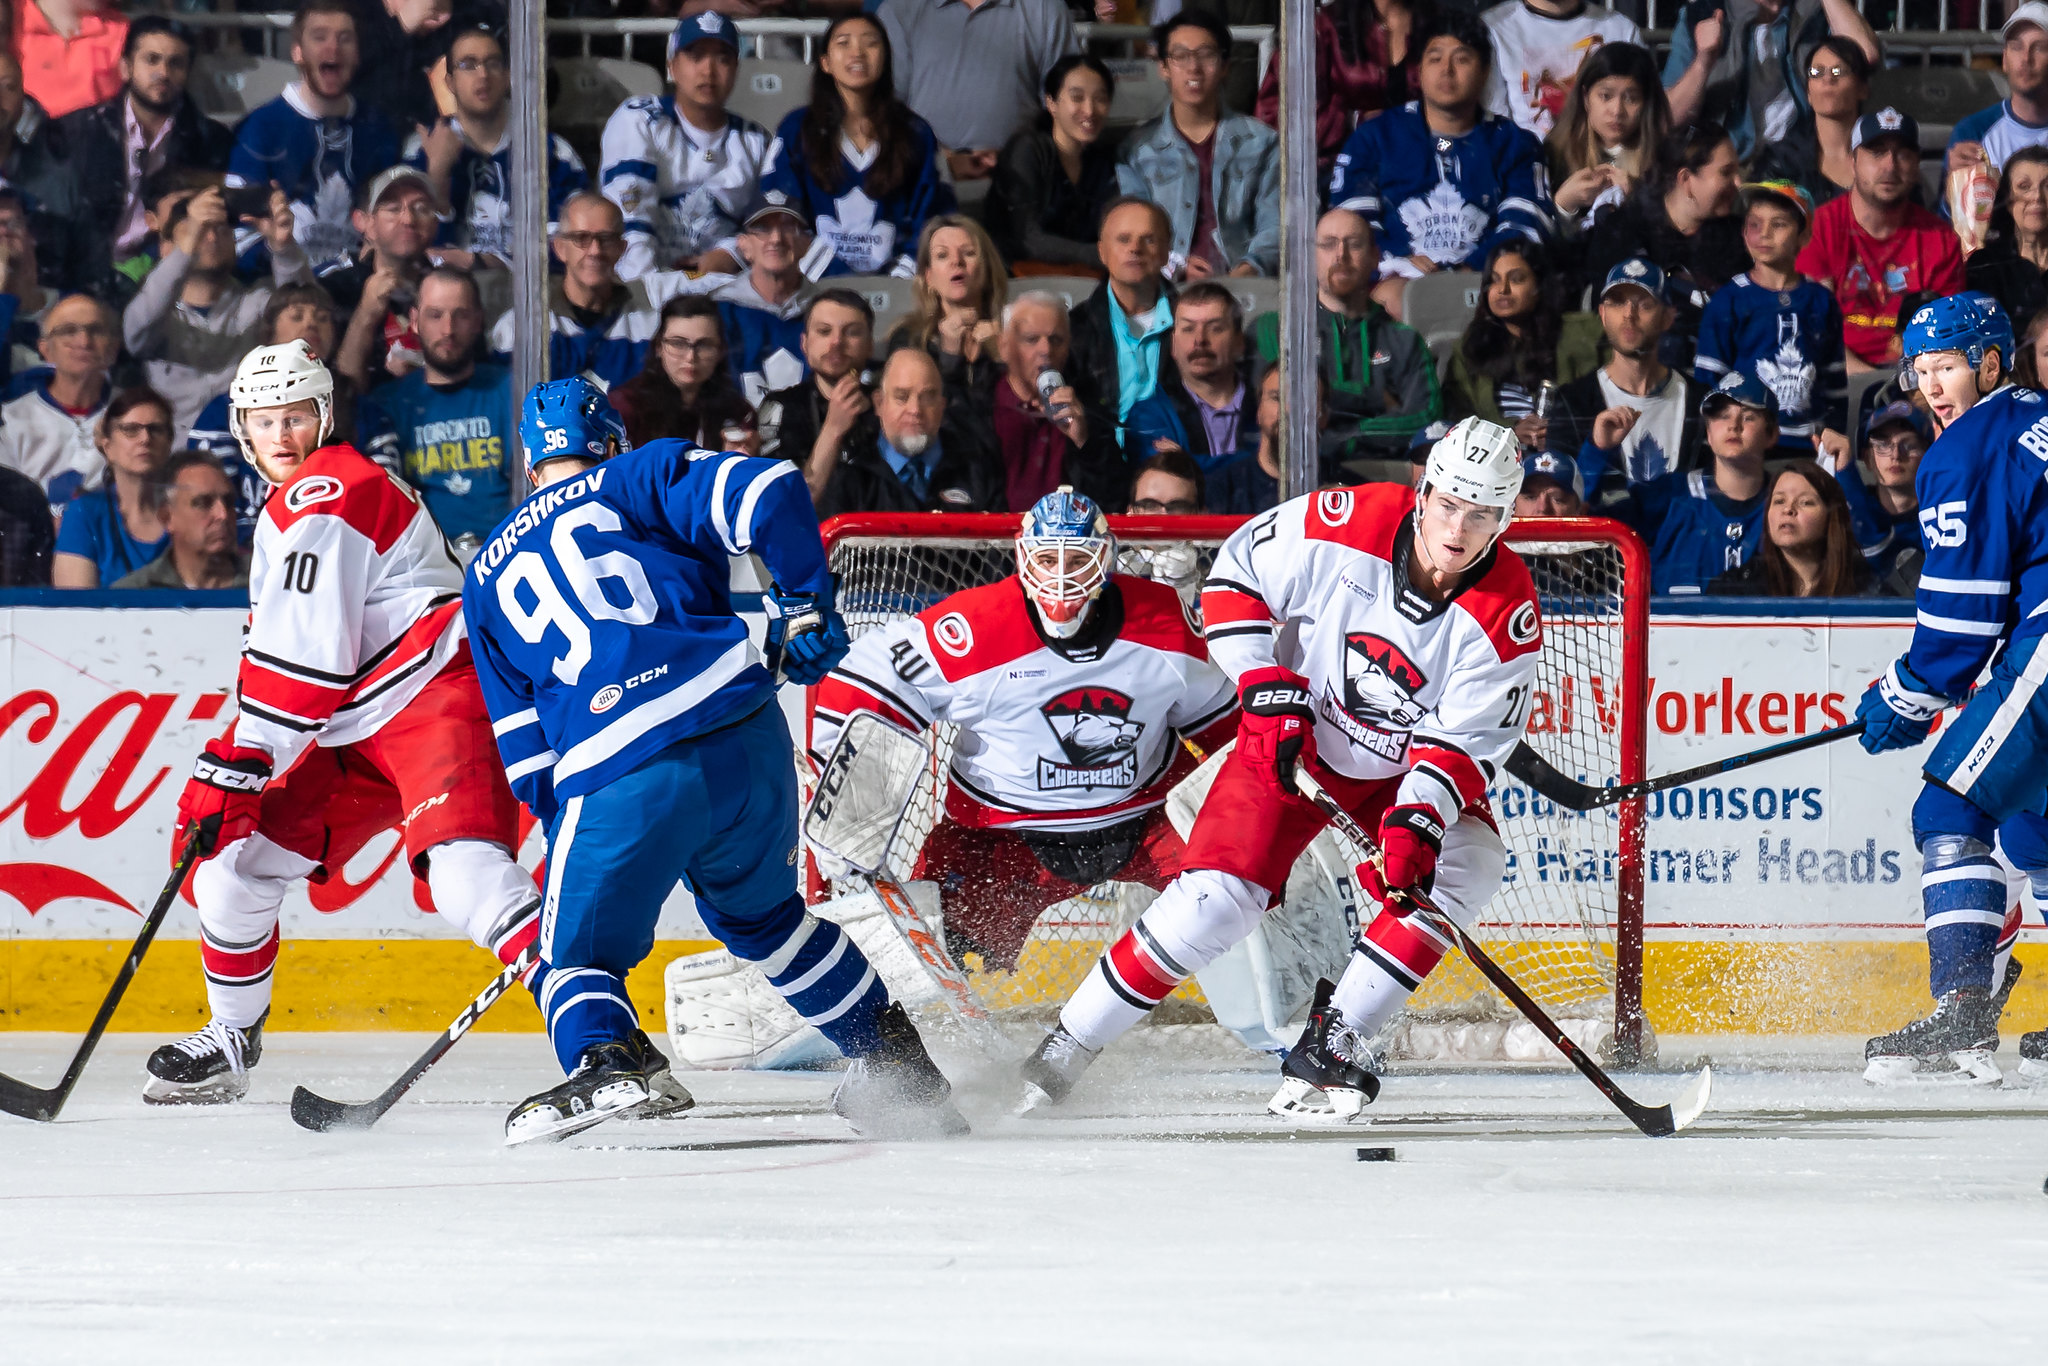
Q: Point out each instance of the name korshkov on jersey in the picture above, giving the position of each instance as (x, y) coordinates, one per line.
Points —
(1071, 734)
(1452, 199)
(1791, 339)
(601, 615)
(1984, 521)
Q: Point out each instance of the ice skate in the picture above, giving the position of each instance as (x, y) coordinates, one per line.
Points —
(666, 1097)
(207, 1068)
(1052, 1069)
(610, 1082)
(1955, 1043)
(897, 1091)
(1322, 1078)
(2033, 1068)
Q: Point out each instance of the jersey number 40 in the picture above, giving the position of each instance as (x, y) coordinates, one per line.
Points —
(585, 577)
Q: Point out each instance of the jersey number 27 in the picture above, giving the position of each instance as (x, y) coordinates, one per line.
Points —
(586, 576)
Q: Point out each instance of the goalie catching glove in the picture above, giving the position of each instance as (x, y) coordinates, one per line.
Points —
(1898, 710)
(1278, 728)
(222, 798)
(1411, 837)
(806, 635)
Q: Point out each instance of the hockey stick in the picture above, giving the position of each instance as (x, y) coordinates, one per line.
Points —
(1533, 769)
(33, 1102)
(321, 1114)
(1658, 1121)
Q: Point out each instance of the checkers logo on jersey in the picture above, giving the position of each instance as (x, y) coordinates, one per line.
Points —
(1379, 707)
(1098, 737)
(316, 488)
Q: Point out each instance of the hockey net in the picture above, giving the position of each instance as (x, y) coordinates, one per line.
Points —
(1567, 923)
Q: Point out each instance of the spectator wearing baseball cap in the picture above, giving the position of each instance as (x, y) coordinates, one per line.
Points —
(2009, 265)
(1879, 252)
(397, 218)
(1635, 419)
(1551, 486)
(1702, 523)
(2021, 118)
(762, 309)
(1883, 508)
(680, 166)
(1777, 323)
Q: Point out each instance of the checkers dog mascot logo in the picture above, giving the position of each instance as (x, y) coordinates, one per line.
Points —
(1096, 733)
(1380, 686)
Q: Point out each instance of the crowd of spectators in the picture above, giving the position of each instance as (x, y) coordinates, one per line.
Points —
(1678, 261)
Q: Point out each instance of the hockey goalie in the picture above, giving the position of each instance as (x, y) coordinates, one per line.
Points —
(1384, 638)
(1073, 687)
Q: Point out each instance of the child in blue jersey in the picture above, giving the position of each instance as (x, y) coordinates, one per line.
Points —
(1983, 599)
(1779, 325)
(869, 199)
(639, 723)
(1441, 181)
(1702, 523)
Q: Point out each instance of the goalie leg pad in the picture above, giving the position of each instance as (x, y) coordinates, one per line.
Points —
(722, 1014)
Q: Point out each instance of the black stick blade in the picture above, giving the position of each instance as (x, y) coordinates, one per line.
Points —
(321, 1114)
(29, 1102)
(1533, 769)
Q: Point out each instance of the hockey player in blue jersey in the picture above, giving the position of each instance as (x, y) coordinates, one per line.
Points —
(1983, 599)
(1442, 181)
(639, 723)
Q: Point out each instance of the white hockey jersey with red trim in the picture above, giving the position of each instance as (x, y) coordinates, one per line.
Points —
(354, 605)
(1054, 735)
(1402, 684)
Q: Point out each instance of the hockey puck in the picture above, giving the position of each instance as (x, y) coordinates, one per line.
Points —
(1375, 1154)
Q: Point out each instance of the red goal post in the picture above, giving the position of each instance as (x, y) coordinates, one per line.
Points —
(1569, 920)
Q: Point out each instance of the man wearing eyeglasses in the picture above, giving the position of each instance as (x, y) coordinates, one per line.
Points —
(762, 310)
(196, 501)
(47, 432)
(599, 325)
(1216, 173)
(377, 283)
(467, 155)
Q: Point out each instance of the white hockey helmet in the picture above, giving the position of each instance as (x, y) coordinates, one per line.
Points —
(1478, 461)
(273, 376)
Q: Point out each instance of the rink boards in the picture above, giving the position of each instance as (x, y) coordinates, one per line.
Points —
(1783, 899)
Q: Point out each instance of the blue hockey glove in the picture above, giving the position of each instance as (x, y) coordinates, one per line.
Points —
(806, 635)
(1898, 710)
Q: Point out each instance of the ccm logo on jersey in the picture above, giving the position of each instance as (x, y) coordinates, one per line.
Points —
(317, 488)
(953, 634)
(1943, 525)
(608, 696)
(1522, 625)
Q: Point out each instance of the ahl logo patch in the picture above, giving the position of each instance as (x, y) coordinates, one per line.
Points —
(317, 488)
(607, 697)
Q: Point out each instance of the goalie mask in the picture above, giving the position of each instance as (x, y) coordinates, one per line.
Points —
(277, 377)
(1065, 554)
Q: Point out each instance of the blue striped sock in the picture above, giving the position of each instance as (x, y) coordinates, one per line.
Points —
(827, 980)
(1964, 906)
(585, 1007)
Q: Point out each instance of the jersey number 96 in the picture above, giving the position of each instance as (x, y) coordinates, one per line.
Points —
(585, 578)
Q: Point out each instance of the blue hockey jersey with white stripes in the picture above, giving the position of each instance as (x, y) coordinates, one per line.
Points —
(319, 163)
(1450, 199)
(868, 236)
(1791, 339)
(1984, 521)
(600, 612)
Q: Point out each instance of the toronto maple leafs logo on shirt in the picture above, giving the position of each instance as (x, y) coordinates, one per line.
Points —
(1788, 375)
(1441, 225)
(1096, 733)
(857, 239)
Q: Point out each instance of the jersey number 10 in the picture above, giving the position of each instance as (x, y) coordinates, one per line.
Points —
(585, 577)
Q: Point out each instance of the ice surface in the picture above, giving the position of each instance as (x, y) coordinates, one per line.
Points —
(1163, 1217)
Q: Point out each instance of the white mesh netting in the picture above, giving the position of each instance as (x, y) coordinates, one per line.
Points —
(1554, 925)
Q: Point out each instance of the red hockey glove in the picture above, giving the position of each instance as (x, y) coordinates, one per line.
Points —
(1278, 727)
(1410, 839)
(222, 797)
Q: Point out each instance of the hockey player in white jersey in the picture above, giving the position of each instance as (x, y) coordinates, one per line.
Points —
(1384, 638)
(358, 710)
(1072, 686)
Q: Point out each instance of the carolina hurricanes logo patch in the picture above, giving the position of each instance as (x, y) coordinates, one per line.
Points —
(1334, 506)
(1098, 736)
(1522, 625)
(1379, 706)
(314, 488)
(953, 635)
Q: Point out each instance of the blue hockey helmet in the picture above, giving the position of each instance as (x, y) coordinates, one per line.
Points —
(569, 419)
(1971, 323)
(1065, 554)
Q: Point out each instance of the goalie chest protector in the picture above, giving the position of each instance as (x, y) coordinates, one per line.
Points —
(1054, 735)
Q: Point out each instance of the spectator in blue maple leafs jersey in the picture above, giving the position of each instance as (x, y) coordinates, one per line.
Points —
(1702, 523)
(1441, 181)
